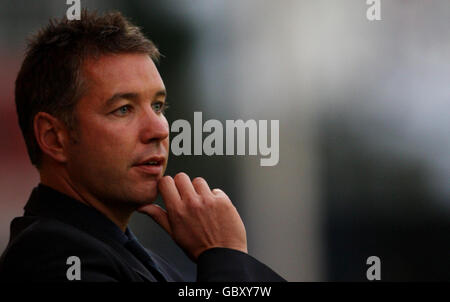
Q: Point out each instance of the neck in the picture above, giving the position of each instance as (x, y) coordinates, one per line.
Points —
(62, 183)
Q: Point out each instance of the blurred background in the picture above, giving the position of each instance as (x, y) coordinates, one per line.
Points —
(363, 107)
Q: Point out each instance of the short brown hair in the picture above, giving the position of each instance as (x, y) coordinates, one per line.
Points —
(50, 79)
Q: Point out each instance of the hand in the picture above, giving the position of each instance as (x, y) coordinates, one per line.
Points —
(197, 218)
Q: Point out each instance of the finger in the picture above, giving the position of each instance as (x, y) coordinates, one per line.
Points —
(184, 186)
(201, 186)
(159, 215)
(169, 193)
(218, 192)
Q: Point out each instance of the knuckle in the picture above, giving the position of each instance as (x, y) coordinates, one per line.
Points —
(225, 203)
(195, 204)
(178, 215)
(194, 199)
(208, 201)
(223, 196)
(219, 192)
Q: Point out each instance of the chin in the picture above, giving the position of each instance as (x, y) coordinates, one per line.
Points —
(146, 195)
(137, 201)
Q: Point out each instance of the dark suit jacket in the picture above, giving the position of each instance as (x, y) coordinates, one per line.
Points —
(55, 227)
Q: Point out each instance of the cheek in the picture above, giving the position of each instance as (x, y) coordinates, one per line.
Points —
(166, 147)
(165, 142)
(105, 145)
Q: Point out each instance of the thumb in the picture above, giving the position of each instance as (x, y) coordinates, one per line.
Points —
(158, 214)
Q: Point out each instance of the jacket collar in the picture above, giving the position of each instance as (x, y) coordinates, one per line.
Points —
(48, 202)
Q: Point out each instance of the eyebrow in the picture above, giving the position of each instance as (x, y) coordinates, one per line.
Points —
(131, 96)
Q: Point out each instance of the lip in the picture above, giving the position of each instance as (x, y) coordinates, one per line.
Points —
(151, 169)
(158, 158)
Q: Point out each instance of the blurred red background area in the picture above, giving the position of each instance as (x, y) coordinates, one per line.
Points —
(18, 175)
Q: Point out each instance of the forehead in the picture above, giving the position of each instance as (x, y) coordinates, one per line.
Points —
(112, 74)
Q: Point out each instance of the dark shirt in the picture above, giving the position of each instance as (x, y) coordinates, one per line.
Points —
(55, 227)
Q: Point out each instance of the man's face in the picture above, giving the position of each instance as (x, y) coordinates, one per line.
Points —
(123, 136)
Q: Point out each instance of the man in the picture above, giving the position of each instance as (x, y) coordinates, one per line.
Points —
(90, 103)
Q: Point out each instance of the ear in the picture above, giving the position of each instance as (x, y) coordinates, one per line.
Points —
(51, 135)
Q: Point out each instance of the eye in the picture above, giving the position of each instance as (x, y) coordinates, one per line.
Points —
(123, 110)
(160, 107)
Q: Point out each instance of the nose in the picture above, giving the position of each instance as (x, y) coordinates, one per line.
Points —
(154, 127)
